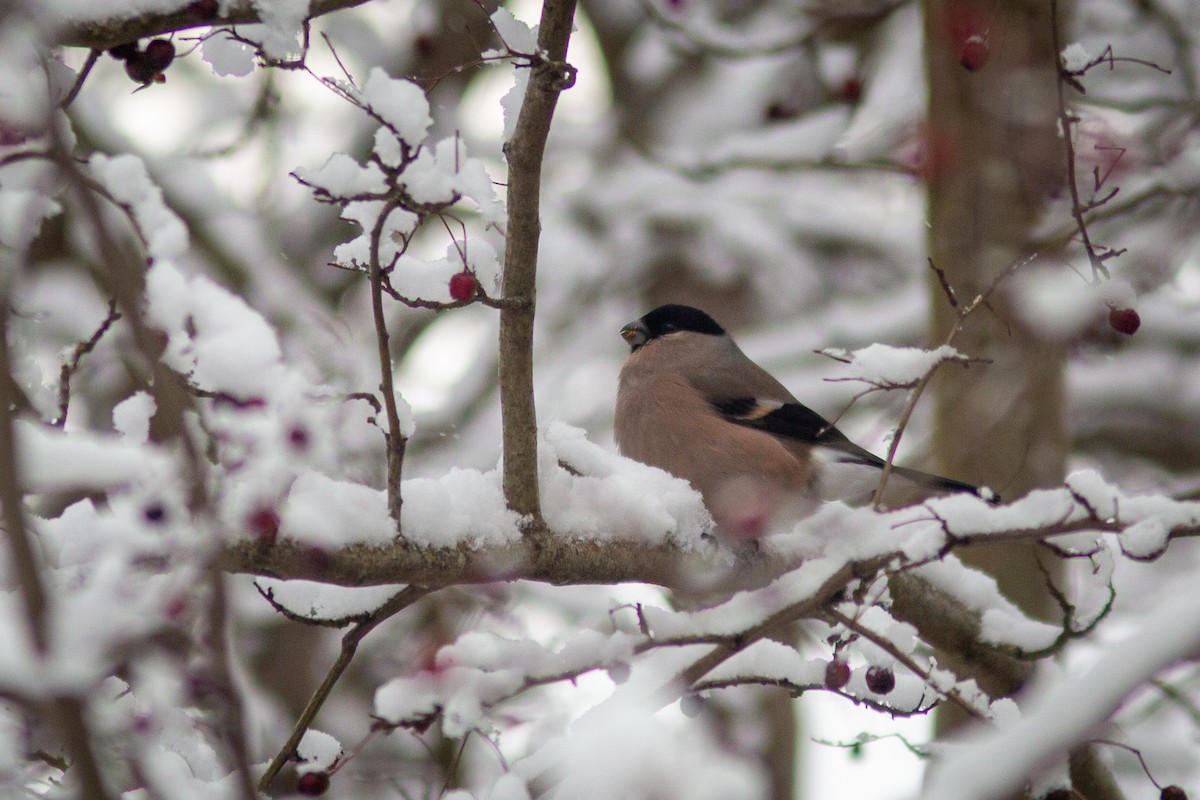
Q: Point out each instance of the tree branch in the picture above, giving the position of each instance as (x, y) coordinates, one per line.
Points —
(103, 34)
(350, 641)
(549, 76)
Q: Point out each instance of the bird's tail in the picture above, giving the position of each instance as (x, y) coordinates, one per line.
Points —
(940, 484)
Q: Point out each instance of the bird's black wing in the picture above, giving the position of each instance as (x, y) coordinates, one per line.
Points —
(798, 423)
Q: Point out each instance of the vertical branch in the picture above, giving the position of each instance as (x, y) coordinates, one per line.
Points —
(549, 75)
(11, 501)
(394, 436)
(126, 278)
(68, 712)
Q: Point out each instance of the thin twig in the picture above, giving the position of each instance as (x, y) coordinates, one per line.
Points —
(394, 436)
(1066, 121)
(69, 368)
(919, 389)
(350, 641)
(86, 70)
(885, 644)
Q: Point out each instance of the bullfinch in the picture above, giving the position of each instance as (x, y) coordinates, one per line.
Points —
(691, 403)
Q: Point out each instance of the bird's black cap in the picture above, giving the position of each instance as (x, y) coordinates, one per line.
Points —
(671, 318)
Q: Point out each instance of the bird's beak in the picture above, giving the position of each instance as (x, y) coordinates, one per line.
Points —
(635, 335)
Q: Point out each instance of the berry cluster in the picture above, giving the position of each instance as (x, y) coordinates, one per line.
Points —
(145, 66)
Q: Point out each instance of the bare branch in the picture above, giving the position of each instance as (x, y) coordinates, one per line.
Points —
(548, 77)
(103, 34)
(350, 641)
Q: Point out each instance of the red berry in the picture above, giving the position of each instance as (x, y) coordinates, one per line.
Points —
(298, 437)
(1124, 320)
(463, 286)
(837, 674)
(691, 704)
(139, 70)
(312, 783)
(264, 523)
(424, 45)
(159, 54)
(1172, 792)
(851, 89)
(176, 607)
(124, 52)
(154, 513)
(974, 52)
(880, 680)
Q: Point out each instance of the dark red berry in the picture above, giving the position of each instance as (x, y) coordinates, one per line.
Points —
(974, 52)
(203, 9)
(124, 52)
(139, 70)
(1172, 792)
(462, 286)
(425, 45)
(312, 783)
(837, 674)
(159, 54)
(779, 110)
(1124, 320)
(298, 437)
(264, 523)
(154, 513)
(851, 89)
(880, 680)
(176, 607)
(691, 704)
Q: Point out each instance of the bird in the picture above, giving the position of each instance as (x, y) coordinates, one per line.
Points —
(691, 403)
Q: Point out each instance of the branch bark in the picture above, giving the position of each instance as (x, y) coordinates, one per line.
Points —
(549, 75)
(106, 33)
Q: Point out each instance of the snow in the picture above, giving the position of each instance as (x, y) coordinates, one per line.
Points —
(622, 749)
(324, 512)
(516, 35)
(228, 57)
(614, 496)
(21, 215)
(1064, 714)
(126, 180)
(55, 461)
(882, 365)
(324, 601)
(131, 417)
(399, 103)
(342, 176)
(281, 27)
(1060, 305)
(214, 337)
(318, 751)
(462, 506)
(1074, 57)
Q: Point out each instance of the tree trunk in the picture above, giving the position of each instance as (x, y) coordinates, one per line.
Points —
(992, 157)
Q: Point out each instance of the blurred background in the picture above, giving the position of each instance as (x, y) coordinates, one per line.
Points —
(790, 166)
